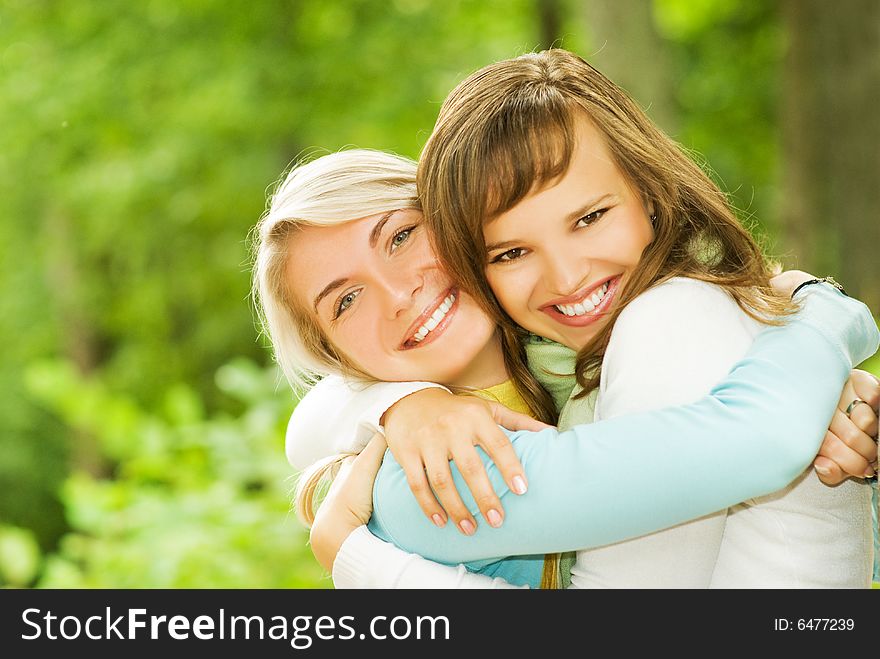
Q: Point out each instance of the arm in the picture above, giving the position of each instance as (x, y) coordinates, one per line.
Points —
(337, 416)
(364, 561)
(670, 346)
(757, 430)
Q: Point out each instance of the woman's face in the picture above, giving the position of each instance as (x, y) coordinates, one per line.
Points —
(558, 259)
(382, 299)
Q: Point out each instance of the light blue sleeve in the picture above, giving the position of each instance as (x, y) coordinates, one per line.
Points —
(605, 482)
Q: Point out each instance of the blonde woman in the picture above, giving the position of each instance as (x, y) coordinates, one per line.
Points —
(349, 284)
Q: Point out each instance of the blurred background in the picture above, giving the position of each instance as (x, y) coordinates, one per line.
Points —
(141, 419)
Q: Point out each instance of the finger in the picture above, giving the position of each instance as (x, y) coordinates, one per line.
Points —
(860, 382)
(828, 471)
(370, 459)
(440, 478)
(493, 440)
(865, 419)
(853, 437)
(359, 471)
(474, 473)
(866, 387)
(417, 480)
(504, 416)
(851, 462)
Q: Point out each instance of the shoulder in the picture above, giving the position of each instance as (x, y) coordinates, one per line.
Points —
(680, 295)
(671, 344)
(681, 308)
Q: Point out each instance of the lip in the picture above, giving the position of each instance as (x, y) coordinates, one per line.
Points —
(408, 342)
(592, 316)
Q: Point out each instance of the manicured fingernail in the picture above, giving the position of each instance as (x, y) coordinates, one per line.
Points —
(823, 470)
(494, 518)
(439, 521)
(467, 527)
(519, 485)
(869, 473)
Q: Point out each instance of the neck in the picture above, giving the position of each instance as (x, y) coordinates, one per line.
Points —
(486, 369)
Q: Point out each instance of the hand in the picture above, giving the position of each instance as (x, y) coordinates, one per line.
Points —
(785, 283)
(349, 502)
(850, 445)
(428, 428)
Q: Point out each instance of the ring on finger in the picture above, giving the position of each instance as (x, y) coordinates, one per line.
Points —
(851, 406)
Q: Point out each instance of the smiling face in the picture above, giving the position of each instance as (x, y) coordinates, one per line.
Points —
(558, 259)
(381, 298)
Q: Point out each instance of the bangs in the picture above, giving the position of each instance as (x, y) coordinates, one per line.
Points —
(530, 145)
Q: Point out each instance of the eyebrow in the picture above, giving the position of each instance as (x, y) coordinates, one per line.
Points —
(377, 230)
(329, 288)
(374, 239)
(571, 217)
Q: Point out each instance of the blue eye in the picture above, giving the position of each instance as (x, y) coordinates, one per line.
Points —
(401, 237)
(345, 302)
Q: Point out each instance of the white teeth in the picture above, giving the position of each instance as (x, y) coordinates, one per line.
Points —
(432, 322)
(586, 305)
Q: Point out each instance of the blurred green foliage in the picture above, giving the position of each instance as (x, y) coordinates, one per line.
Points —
(142, 423)
(193, 500)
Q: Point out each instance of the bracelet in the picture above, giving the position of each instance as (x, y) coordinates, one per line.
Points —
(823, 280)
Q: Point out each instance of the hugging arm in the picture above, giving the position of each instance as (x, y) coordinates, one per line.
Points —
(338, 416)
(756, 431)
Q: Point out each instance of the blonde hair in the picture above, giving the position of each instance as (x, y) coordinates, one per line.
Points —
(336, 189)
(509, 129)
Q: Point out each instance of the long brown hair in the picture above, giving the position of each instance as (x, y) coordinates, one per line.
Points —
(509, 129)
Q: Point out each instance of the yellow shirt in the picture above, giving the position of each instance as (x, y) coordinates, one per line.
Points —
(506, 394)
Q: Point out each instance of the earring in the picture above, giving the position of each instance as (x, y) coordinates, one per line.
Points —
(654, 219)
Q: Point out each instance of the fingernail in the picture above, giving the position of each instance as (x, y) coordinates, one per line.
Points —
(494, 518)
(823, 470)
(869, 473)
(439, 521)
(467, 527)
(519, 485)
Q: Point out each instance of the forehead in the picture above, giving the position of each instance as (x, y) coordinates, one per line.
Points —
(591, 172)
(316, 255)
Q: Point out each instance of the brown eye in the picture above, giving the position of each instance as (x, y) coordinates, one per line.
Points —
(591, 218)
(510, 255)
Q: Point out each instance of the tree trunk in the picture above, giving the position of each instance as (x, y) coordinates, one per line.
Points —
(831, 141)
(550, 21)
(628, 49)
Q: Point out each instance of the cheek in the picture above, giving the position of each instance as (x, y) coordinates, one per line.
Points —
(507, 287)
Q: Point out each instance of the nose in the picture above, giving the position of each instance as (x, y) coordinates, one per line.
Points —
(399, 287)
(566, 271)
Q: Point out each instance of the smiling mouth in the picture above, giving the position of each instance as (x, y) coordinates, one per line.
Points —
(432, 321)
(591, 306)
(586, 305)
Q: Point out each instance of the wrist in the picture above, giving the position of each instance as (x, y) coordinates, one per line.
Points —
(327, 537)
(818, 280)
(421, 394)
